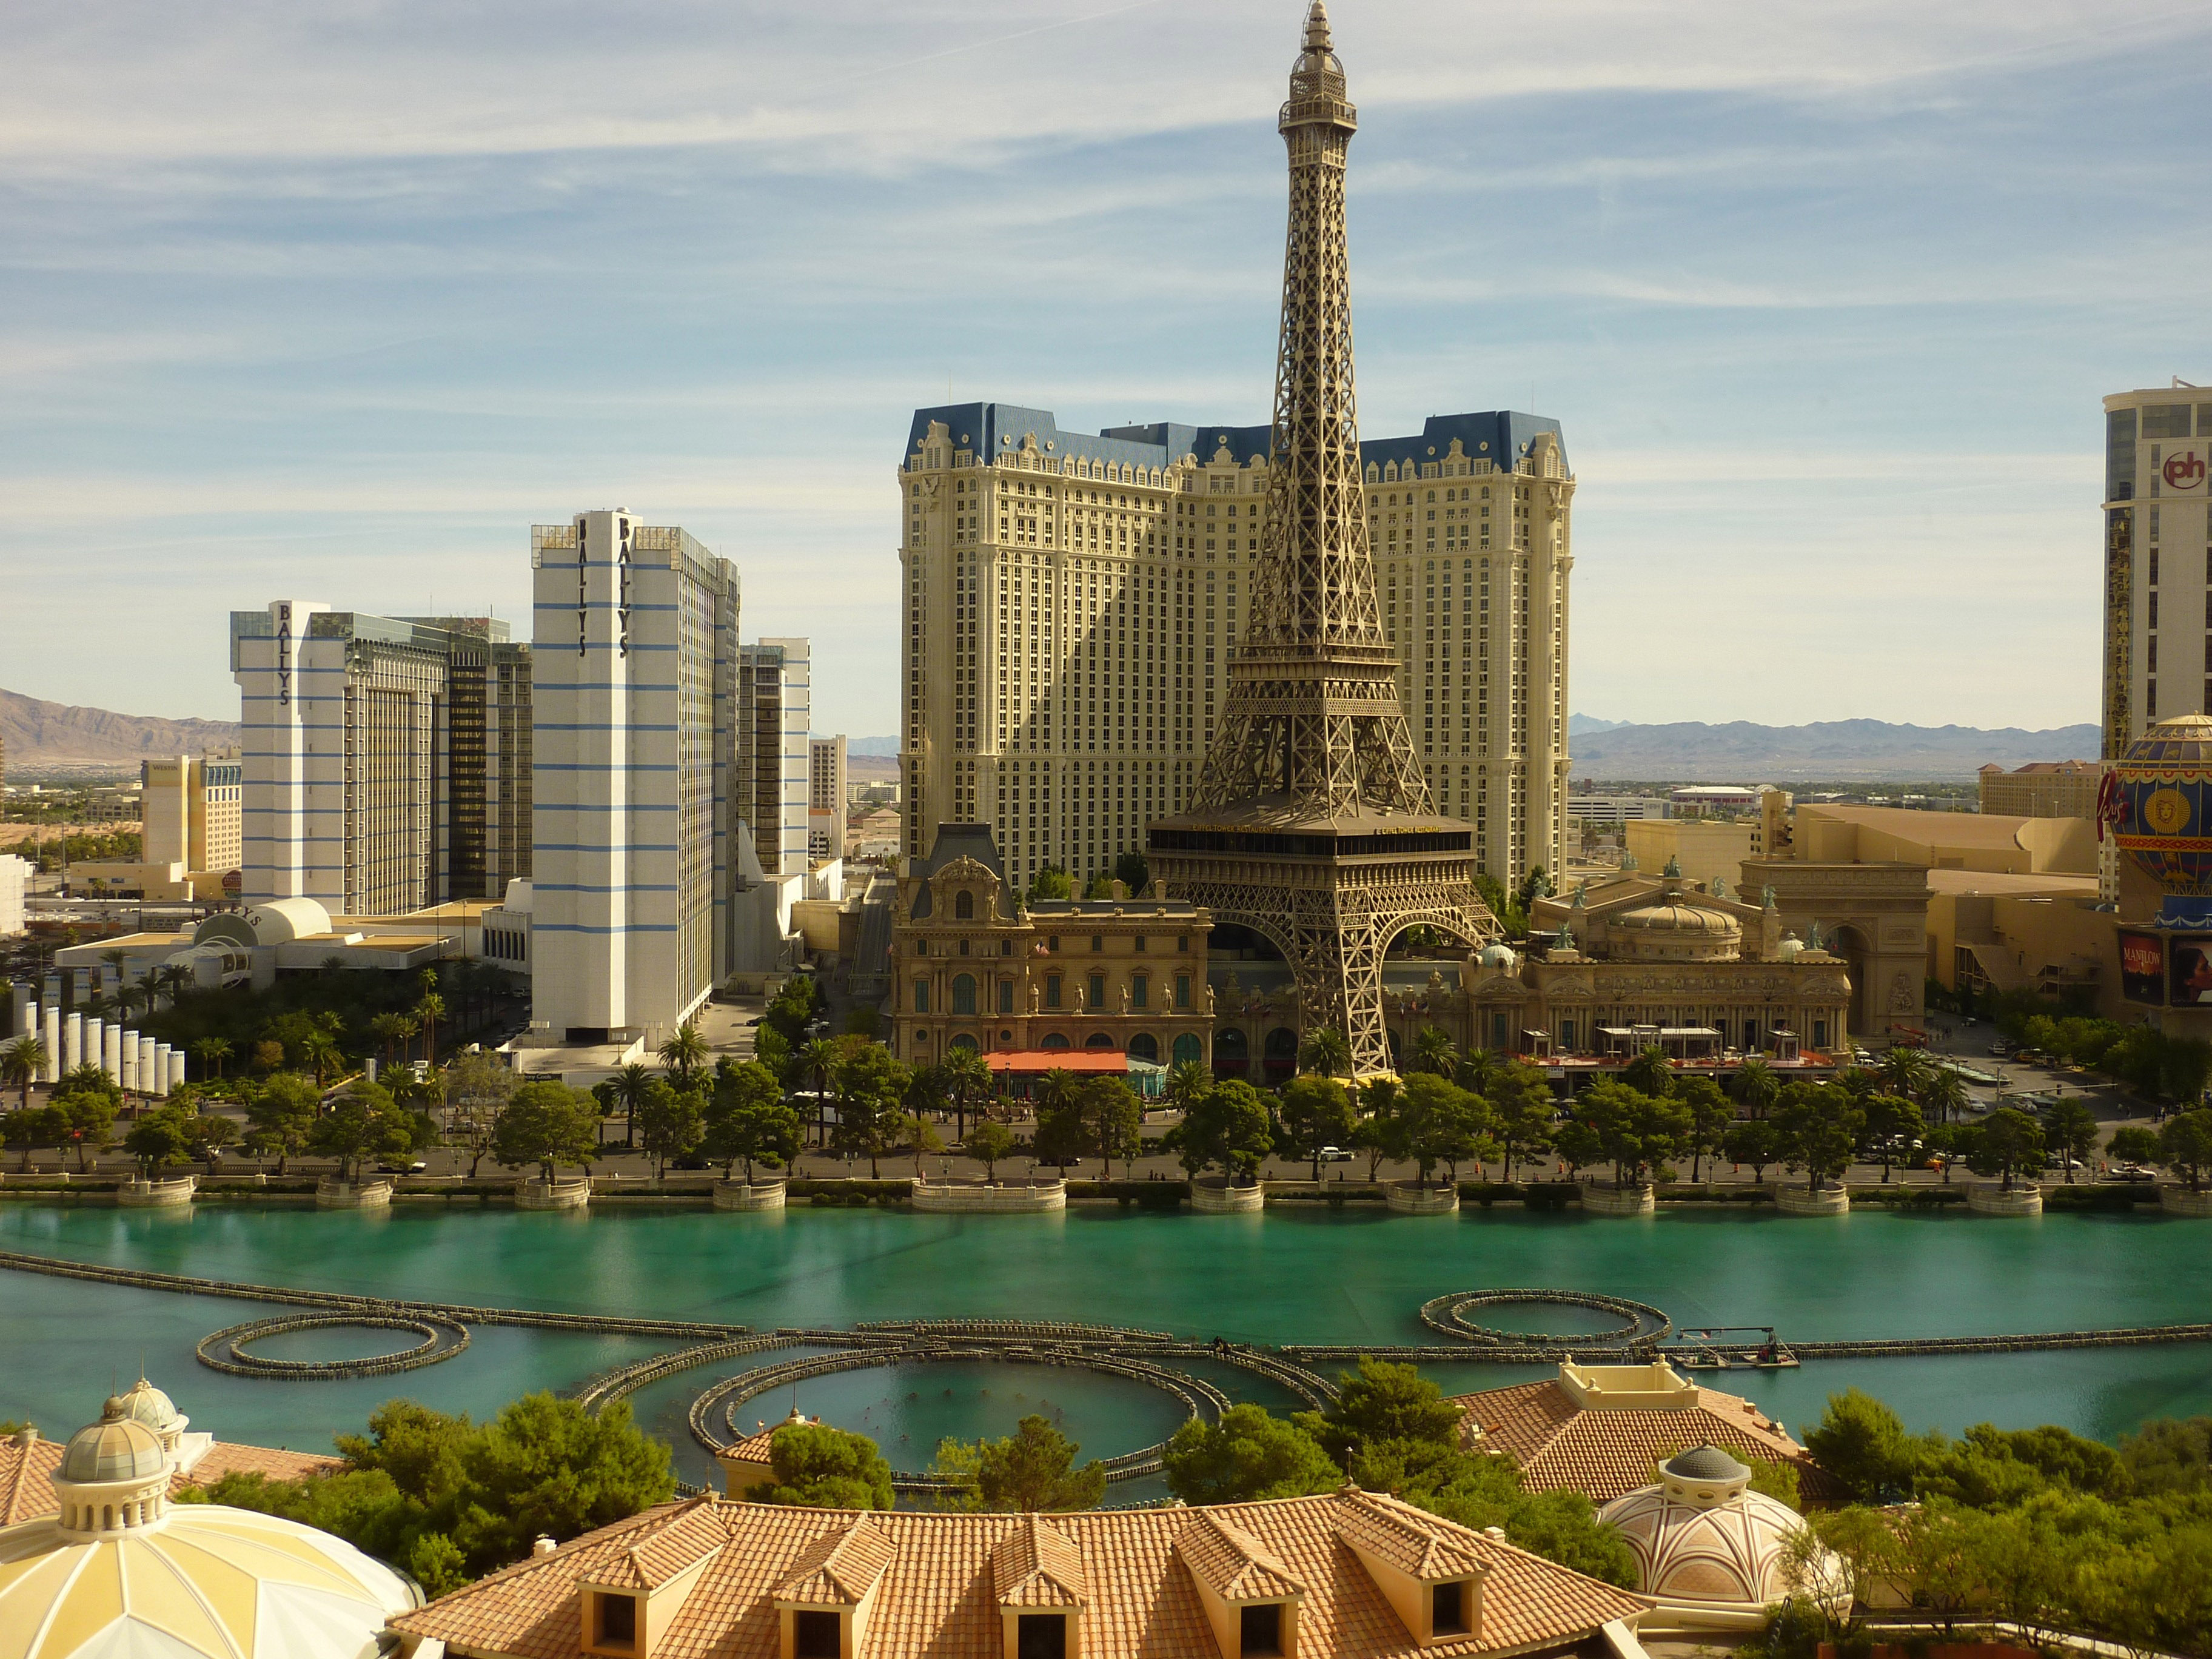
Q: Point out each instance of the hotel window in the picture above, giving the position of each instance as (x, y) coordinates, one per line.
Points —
(922, 996)
(1097, 942)
(1183, 940)
(1140, 989)
(1141, 945)
(1052, 990)
(1006, 996)
(1183, 991)
(964, 994)
(1097, 991)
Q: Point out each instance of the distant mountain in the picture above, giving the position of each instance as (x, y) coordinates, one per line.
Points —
(57, 735)
(1691, 751)
(1578, 723)
(872, 746)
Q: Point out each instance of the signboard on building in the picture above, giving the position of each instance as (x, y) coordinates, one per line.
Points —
(2188, 970)
(2183, 470)
(2143, 968)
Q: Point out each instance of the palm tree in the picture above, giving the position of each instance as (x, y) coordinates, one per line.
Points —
(1325, 1050)
(1057, 1090)
(391, 1031)
(429, 1011)
(115, 959)
(1904, 1071)
(321, 1053)
(1943, 1095)
(176, 979)
(1433, 1051)
(817, 1060)
(1477, 1069)
(1187, 1080)
(1755, 1087)
(22, 1063)
(630, 1085)
(210, 1052)
(967, 1080)
(685, 1051)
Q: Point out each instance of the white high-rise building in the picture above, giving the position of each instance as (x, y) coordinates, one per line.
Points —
(775, 784)
(826, 792)
(2158, 556)
(635, 671)
(385, 763)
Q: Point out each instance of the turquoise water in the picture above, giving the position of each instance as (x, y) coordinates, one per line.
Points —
(1272, 1278)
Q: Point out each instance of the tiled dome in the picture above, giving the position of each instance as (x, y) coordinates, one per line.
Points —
(115, 1448)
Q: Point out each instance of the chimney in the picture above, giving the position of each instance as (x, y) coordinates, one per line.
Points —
(544, 1545)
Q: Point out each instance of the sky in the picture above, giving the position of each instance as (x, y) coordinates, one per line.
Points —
(333, 299)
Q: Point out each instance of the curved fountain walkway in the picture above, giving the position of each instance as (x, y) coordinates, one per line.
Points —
(1158, 1358)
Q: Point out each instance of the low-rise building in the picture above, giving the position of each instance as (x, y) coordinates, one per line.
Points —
(2042, 789)
(192, 807)
(1352, 1574)
(973, 965)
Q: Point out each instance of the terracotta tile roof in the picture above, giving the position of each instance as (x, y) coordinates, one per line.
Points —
(1416, 1546)
(1034, 1565)
(27, 1490)
(1231, 1561)
(26, 1470)
(665, 1553)
(1606, 1451)
(938, 1593)
(840, 1566)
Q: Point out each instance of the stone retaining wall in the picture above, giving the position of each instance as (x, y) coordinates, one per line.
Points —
(535, 1194)
(2180, 1200)
(352, 1194)
(1793, 1200)
(1211, 1196)
(741, 1195)
(1405, 1198)
(155, 1194)
(1995, 1200)
(995, 1198)
(1614, 1200)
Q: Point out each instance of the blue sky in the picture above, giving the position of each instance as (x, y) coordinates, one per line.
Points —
(334, 300)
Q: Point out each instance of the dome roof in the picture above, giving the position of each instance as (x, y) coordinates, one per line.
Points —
(2184, 738)
(118, 1448)
(1705, 1462)
(1495, 955)
(143, 1402)
(1672, 916)
(1791, 948)
(207, 1580)
(1726, 1558)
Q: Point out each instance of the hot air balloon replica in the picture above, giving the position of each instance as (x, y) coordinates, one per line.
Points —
(2156, 803)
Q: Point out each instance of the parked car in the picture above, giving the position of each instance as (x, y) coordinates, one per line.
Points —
(396, 1166)
(1335, 1155)
(2133, 1172)
(2000, 1048)
(2054, 1162)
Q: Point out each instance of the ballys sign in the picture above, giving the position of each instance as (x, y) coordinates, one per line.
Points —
(2183, 471)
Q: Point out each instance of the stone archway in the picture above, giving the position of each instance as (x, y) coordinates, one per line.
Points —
(1232, 1053)
(1852, 945)
(1873, 916)
(1280, 1057)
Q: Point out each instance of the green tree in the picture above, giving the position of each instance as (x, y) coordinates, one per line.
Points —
(1651, 1073)
(1250, 1454)
(630, 1086)
(1863, 1445)
(280, 1113)
(2133, 1144)
(672, 1123)
(31, 1126)
(1379, 1100)
(1433, 1052)
(1227, 1126)
(1943, 1097)
(478, 1089)
(864, 1019)
(22, 1063)
(1904, 1071)
(1711, 1115)
(363, 1122)
(818, 1466)
(1115, 1120)
(1440, 1122)
(684, 1053)
(968, 1085)
(1383, 1401)
(1756, 1087)
(2005, 1142)
(2070, 1129)
(90, 1101)
(989, 1141)
(1890, 1127)
(1816, 1130)
(1752, 1140)
(1062, 1137)
(1325, 1052)
(871, 1088)
(1521, 1098)
(2185, 1146)
(1316, 1113)
(747, 1118)
(207, 1133)
(158, 1140)
(547, 1124)
(1187, 1080)
(1132, 873)
(1050, 882)
(1031, 1471)
(1635, 1131)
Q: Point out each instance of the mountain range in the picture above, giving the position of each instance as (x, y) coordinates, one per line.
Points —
(1739, 751)
(61, 736)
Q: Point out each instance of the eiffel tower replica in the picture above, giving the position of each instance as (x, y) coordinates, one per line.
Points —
(1311, 823)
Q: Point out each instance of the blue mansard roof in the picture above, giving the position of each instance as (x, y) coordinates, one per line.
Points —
(1501, 436)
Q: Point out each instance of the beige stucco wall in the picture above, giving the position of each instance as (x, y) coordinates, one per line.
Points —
(1709, 852)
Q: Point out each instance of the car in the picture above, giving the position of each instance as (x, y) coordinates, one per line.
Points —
(2000, 1049)
(1335, 1155)
(2055, 1162)
(2133, 1172)
(394, 1166)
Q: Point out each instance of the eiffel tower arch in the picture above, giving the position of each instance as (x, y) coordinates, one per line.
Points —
(1311, 823)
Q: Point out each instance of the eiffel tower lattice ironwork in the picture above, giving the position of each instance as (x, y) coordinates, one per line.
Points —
(1311, 824)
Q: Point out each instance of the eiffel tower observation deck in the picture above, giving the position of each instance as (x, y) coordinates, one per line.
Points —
(1311, 824)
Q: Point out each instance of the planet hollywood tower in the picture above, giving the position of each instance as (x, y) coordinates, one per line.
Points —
(1311, 823)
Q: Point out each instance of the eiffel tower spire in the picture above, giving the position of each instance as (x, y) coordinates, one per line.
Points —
(1311, 823)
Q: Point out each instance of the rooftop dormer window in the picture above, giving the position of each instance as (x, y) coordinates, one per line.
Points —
(1260, 1629)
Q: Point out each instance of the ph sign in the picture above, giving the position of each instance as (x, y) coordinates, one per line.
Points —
(2183, 471)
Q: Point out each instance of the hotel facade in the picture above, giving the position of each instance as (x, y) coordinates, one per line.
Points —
(1071, 602)
(636, 691)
